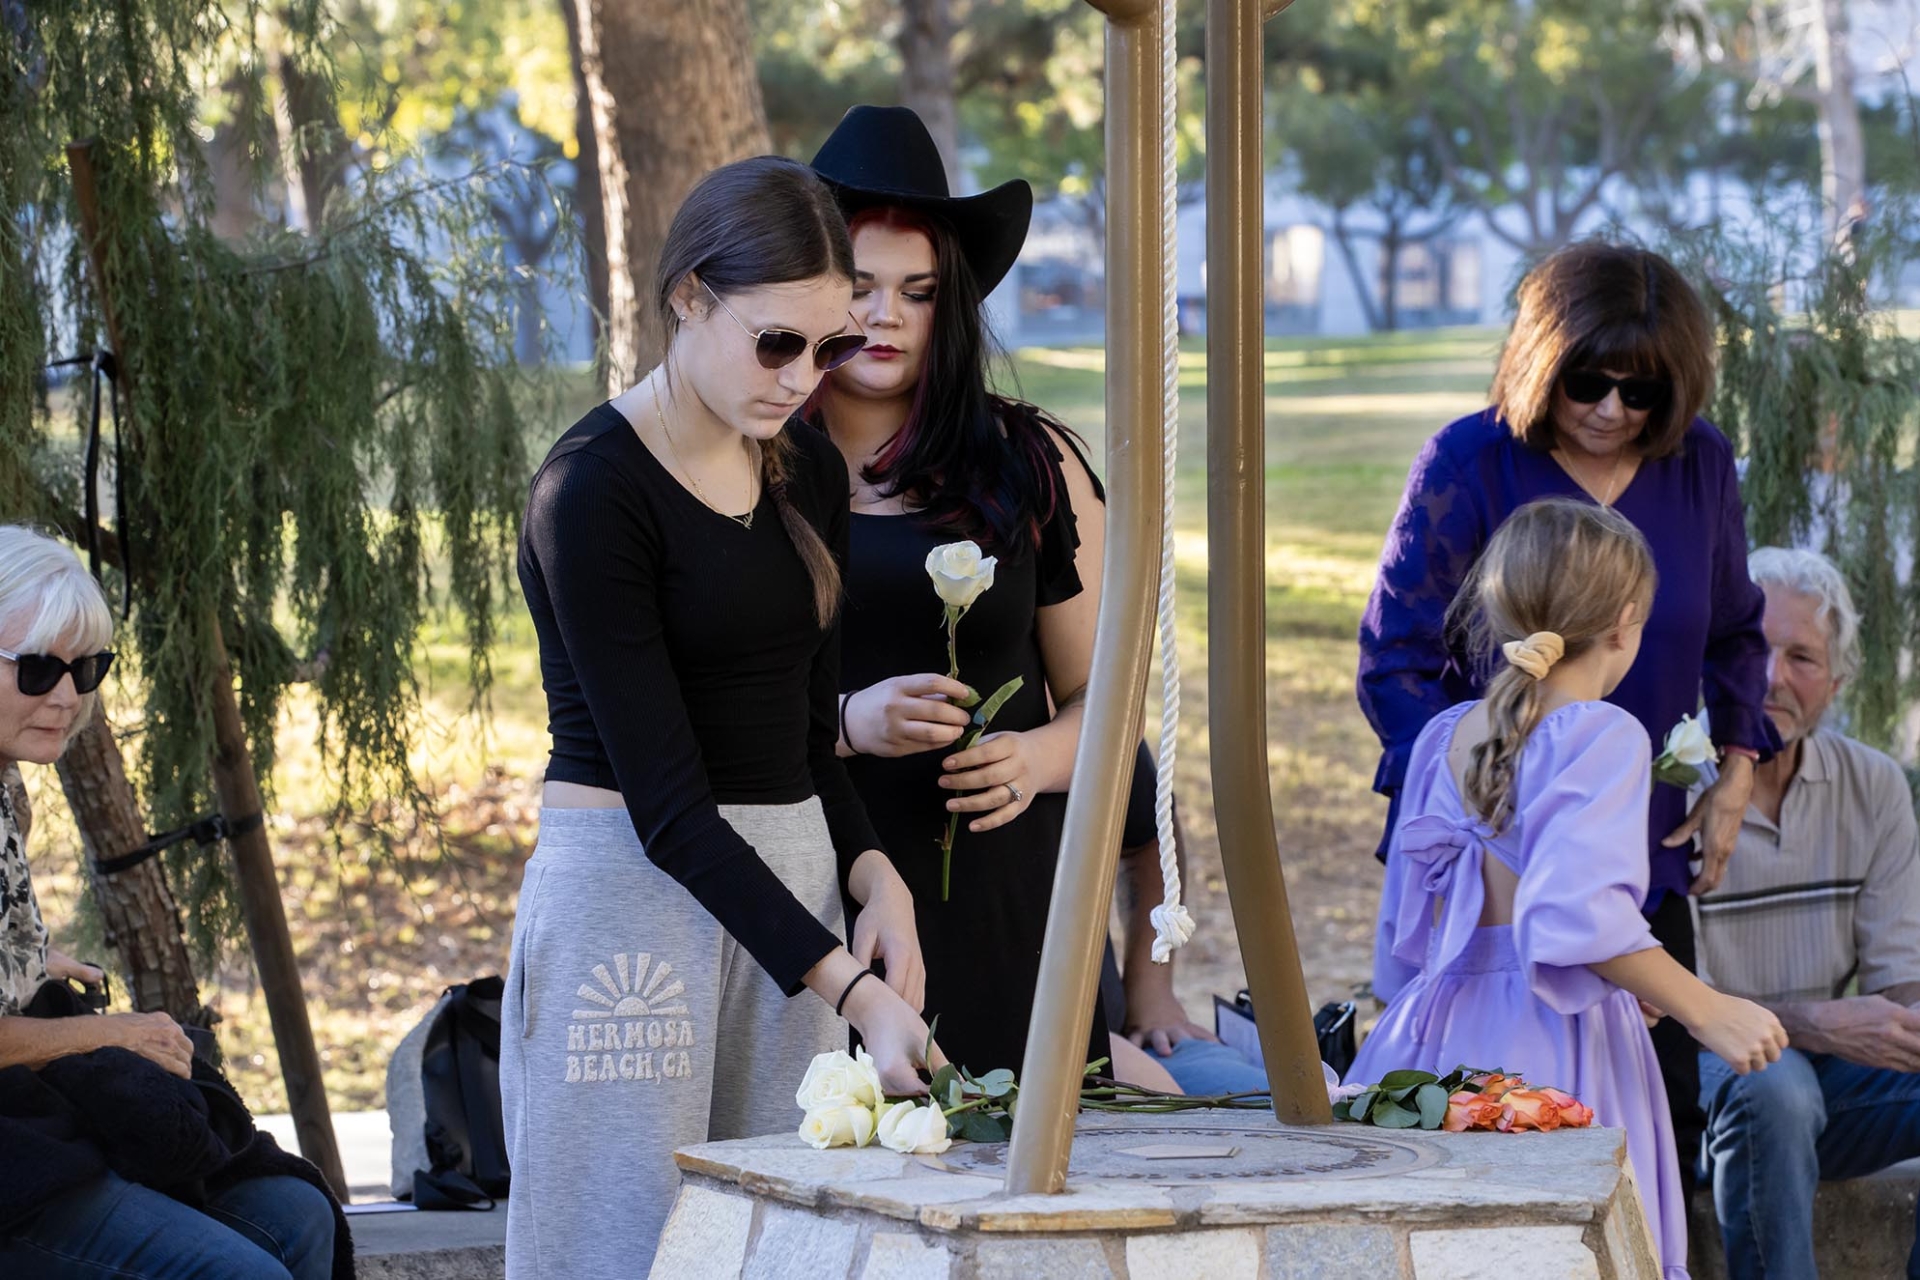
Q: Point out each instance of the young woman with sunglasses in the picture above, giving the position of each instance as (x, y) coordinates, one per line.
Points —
(1597, 395)
(681, 556)
(67, 1213)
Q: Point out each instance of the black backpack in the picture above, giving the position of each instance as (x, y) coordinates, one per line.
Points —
(457, 1113)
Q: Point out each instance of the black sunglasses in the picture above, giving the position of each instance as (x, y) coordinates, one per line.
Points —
(37, 673)
(1588, 386)
(778, 348)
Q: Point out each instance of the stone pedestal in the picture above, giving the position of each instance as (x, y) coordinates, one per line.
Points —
(1211, 1196)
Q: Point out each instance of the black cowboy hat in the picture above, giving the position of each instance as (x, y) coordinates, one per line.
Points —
(885, 156)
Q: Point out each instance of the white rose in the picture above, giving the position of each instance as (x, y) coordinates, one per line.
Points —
(839, 1079)
(848, 1125)
(960, 573)
(1688, 742)
(914, 1130)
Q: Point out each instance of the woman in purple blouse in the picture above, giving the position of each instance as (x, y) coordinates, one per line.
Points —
(1597, 395)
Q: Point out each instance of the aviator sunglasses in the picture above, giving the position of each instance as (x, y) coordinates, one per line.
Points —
(37, 673)
(778, 348)
(1589, 386)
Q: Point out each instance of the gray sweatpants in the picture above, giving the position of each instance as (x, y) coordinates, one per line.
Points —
(634, 1024)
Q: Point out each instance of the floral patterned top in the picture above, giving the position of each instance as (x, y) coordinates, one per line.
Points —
(23, 937)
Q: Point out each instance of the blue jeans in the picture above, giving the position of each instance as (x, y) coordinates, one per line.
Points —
(259, 1229)
(1773, 1135)
(1205, 1067)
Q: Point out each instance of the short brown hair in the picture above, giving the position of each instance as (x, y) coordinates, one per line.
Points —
(1596, 305)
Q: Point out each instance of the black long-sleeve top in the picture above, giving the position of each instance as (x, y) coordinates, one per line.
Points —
(684, 668)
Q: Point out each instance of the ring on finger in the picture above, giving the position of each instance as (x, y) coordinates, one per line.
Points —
(1017, 794)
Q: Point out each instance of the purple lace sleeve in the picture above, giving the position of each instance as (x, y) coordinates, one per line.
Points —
(1734, 673)
(1407, 674)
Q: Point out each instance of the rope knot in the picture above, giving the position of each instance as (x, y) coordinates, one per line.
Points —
(1172, 927)
(1536, 654)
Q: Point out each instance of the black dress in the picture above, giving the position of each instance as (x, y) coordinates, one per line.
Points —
(982, 946)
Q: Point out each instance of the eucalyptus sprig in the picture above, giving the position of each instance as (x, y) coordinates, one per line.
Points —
(981, 1108)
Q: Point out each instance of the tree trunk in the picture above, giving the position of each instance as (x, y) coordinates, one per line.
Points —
(319, 152)
(659, 123)
(142, 920)
(586, 193)
(238, 791)
(1362, 287)
(1390, 279)
(925, 42)
(1843, 147)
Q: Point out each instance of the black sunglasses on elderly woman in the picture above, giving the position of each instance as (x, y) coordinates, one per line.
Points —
(778, 348)
(1590, 386)
(38, 673)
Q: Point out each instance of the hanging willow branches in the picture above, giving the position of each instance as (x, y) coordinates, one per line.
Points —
(1820, 392)
(313, 420)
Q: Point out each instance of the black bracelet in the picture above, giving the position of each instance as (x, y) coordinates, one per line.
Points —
(844, 735)
(841, 1003)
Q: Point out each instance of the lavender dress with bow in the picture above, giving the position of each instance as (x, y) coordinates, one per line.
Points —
(1520, 997)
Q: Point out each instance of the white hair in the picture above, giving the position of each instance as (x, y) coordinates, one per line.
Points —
(49, 601)
(1811, 574)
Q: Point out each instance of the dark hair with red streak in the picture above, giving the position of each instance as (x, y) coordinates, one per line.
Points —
(965, 459)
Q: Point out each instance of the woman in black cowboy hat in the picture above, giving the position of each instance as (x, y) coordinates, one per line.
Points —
(935, 457)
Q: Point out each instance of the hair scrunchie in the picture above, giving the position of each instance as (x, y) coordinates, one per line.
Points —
(1536, 654)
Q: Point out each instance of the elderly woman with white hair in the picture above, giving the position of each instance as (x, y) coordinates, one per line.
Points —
(65, 1209)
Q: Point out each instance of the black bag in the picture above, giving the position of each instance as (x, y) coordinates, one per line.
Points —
(1333, 1028)
(456, 1108)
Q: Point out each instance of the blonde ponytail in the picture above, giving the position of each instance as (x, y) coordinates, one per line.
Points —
(1551, 584)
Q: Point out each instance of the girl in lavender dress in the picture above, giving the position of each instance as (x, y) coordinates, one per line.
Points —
(1510, 929)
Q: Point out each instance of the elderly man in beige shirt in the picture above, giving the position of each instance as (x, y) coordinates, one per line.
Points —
(1822, 895)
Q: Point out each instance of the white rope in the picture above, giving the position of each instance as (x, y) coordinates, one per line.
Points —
(1172, 926)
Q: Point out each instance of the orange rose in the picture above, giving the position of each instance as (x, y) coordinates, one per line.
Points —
(1574, 1114)
(1468, 1110)
(1495, 1085)
(1524, 1109)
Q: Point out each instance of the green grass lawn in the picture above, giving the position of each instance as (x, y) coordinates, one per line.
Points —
(1344, 419)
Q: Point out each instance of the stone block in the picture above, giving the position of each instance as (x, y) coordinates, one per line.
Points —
(894, 1256)
(706, 1234)
(1088, 1206)
(1313, 1252)
(1193, 1255)
(1504, 1253)
(796, 1245)
(1029, 1259)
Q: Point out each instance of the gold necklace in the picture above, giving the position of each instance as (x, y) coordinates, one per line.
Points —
(1613, 490)
(745, 521)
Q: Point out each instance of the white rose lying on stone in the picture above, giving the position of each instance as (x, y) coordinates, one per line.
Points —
(845, 1125)
(839, 1079)
(914, 1130)
(960, 573)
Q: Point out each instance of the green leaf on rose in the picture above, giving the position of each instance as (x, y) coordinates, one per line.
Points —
(1406, 1078)
(996, 1083)
(1432, 1101)
(1391, 1115)
(977, 1126)
(1675, 774)
(991, 707)
(943, 1080)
